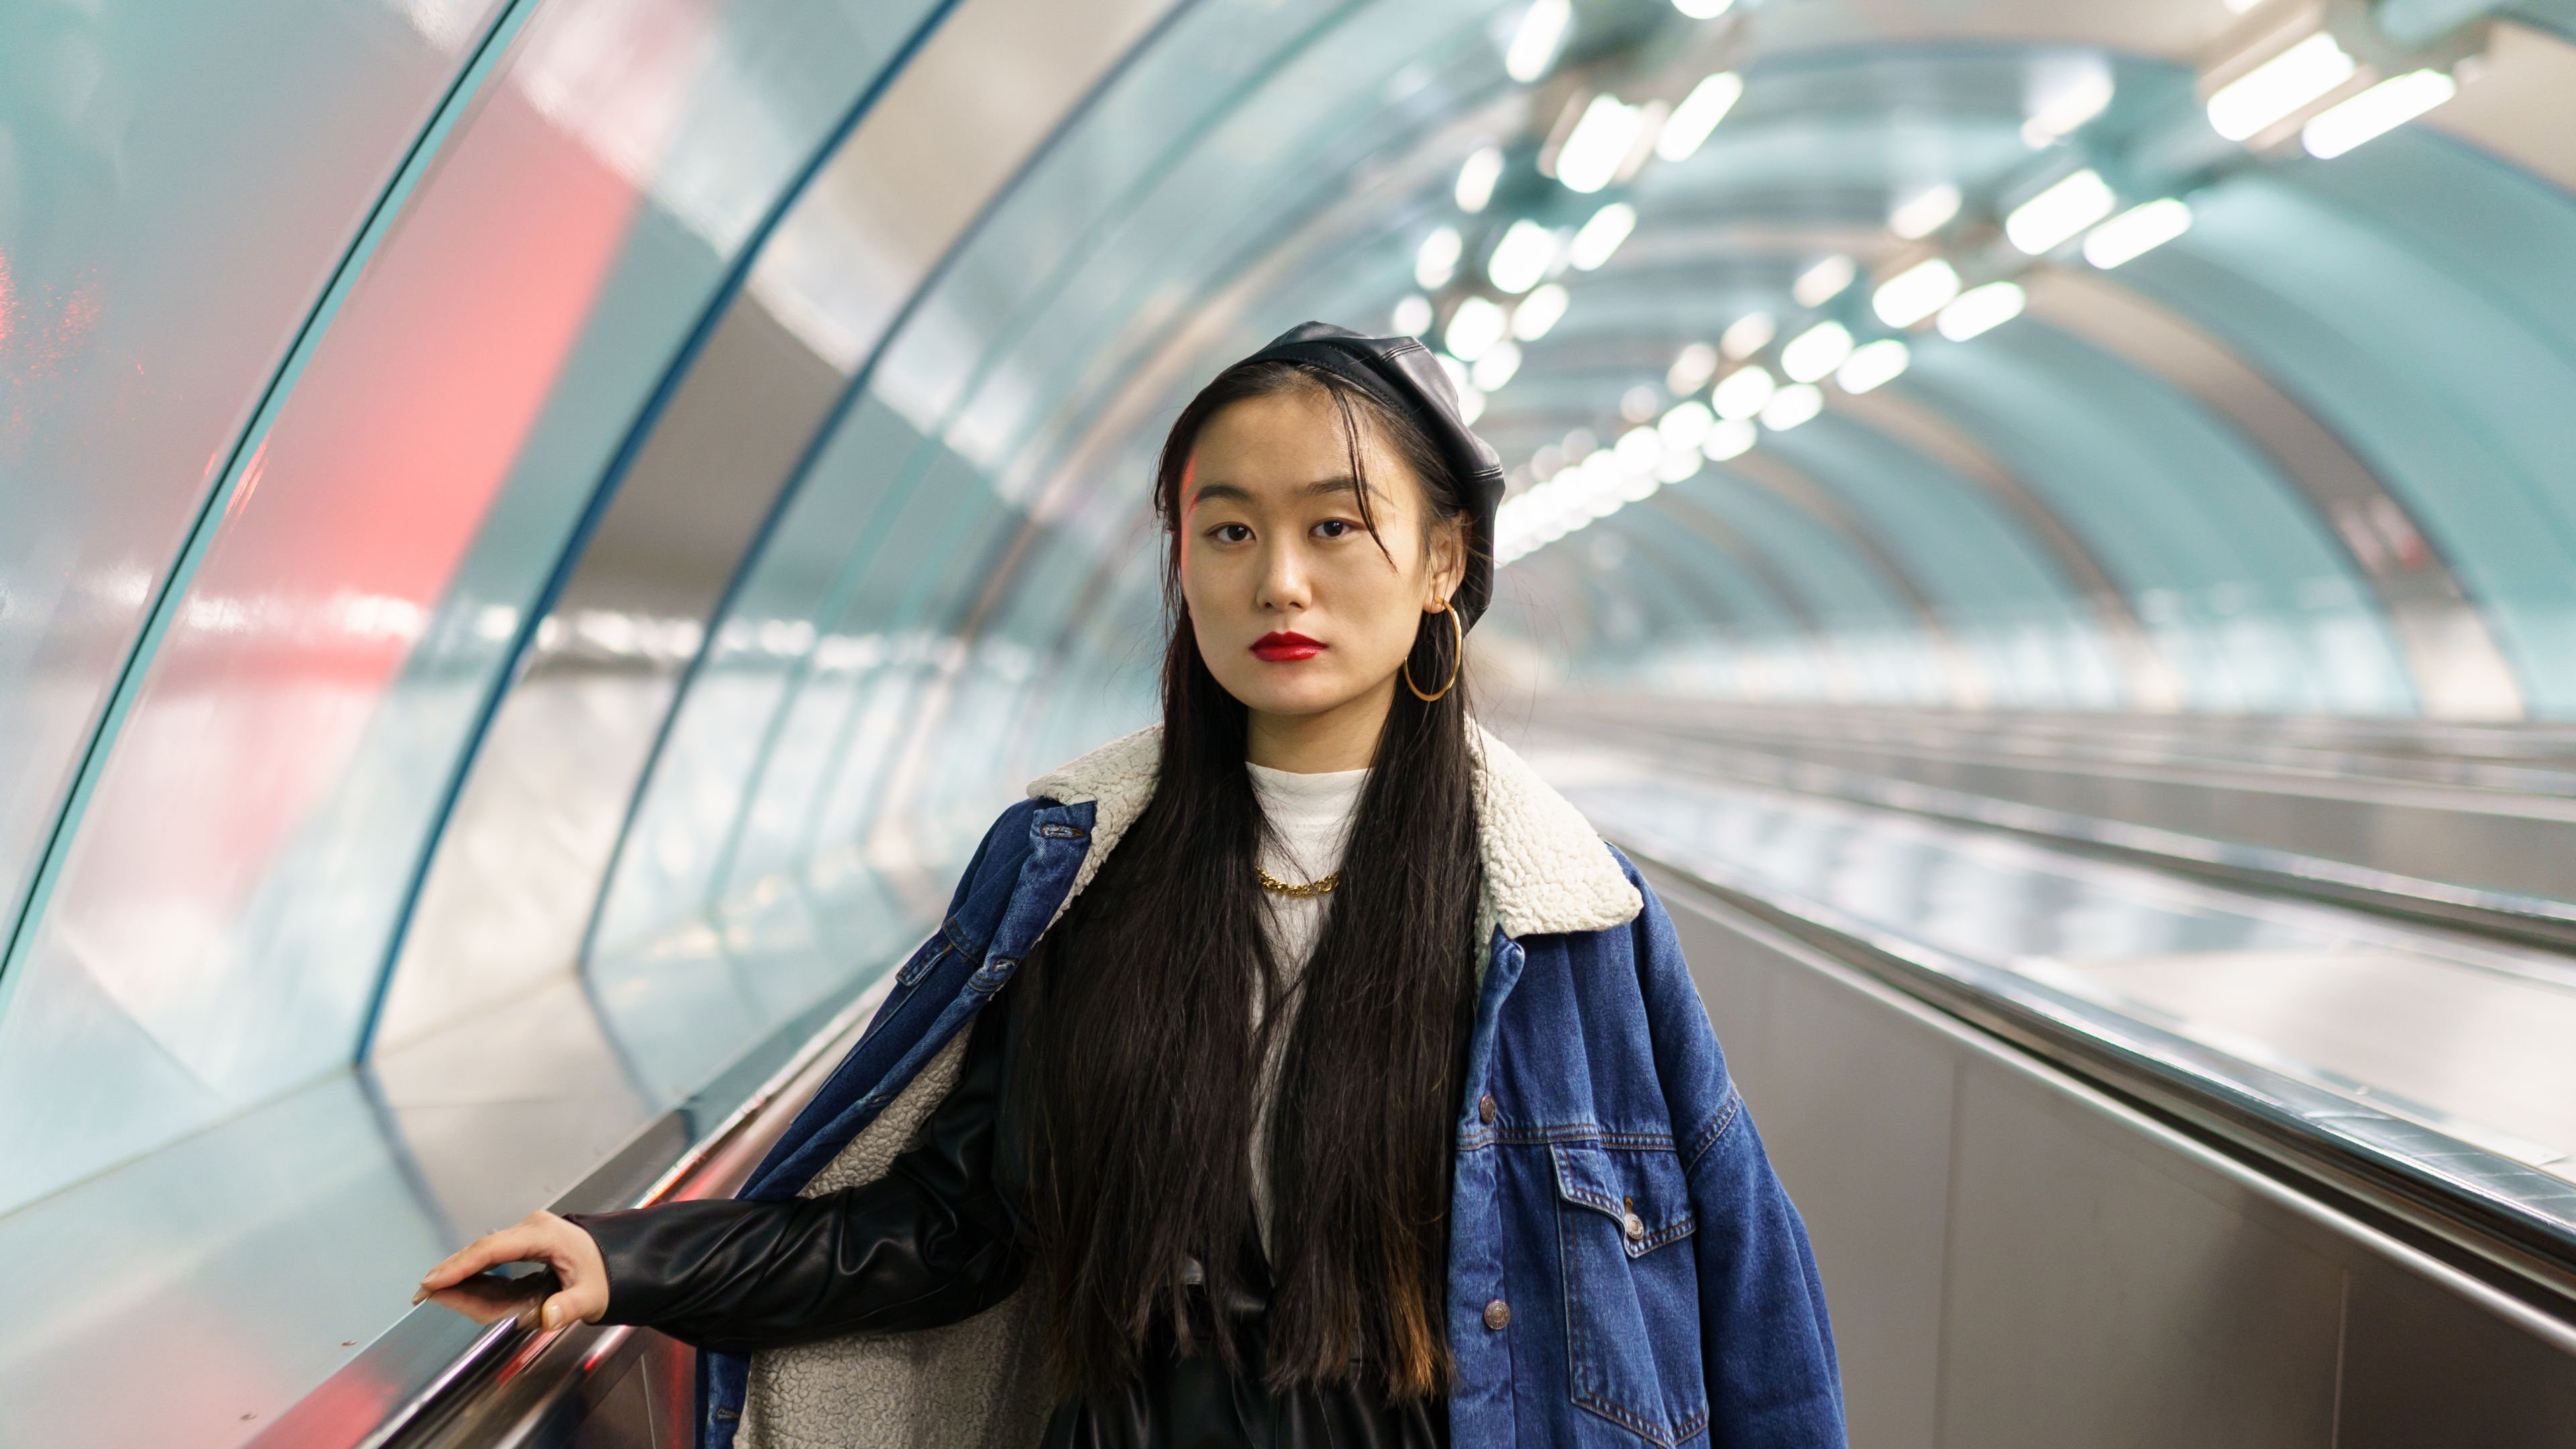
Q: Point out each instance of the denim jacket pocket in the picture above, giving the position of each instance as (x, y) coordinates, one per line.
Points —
(1621, 1212)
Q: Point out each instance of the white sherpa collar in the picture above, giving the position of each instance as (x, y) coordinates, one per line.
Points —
(1546, 869)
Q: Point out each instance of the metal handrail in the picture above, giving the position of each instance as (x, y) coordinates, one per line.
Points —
(2509, 1223)
(2535, 760)
(423, 1373)
(2518, 915)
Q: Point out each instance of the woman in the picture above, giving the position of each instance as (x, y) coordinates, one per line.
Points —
(1301, 1072)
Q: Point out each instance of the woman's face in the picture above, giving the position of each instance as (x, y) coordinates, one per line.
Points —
(1297, 608)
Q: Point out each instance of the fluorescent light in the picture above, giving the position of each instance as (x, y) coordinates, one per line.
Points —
(1698, 114)
(2137, 231)
(1703, 9)
(2375, 112)
(1496, 367)
(1477, 177)
(1925, 212)
(1916, 293)
(2279, 87)
(1679, 465)
(1599, 141)
(1650, 129)
(1639, 403)
(1691, 370)
(1743, 392)
(1477, 325)
(2047, 220)
(1791, 406)
(1981, 310)
(1538, 312)
(1749, 335)
(1816, 352)
(1686, 425)
(1729, 440)
(1534, 44)
(1873, 366)
(1824, 281)
(1471, 404)
(1413, 315)
(2083, 96)
(1437, 261)
(1639, 449)
(1601, 236)
(1521, 259)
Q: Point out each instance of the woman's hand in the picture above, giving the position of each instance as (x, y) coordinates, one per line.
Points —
(540, 1237)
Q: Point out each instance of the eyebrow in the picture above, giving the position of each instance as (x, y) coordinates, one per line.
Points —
(1316, 489)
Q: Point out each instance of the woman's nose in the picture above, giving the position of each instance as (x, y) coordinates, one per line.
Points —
(1284, 583)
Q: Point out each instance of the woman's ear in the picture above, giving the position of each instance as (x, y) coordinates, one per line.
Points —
(1448, 561)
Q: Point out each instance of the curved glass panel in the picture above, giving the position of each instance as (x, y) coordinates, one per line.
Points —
(2244, 588)
(857, 703)
(179, 184)
(216, 935)
(2443, 373)
(2003, 599)
(1876, 639)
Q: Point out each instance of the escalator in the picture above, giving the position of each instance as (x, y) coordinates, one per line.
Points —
(2093, 1150)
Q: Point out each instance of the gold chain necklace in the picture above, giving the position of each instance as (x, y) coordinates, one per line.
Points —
(1271, 882)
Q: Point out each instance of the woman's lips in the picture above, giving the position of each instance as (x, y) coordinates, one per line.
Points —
(1280, 648)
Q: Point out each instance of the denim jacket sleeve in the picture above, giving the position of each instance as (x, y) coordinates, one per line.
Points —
(1773, 1380)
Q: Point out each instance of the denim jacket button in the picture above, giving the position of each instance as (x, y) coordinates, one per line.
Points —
(1486, 1111)
(1636, 1227)
(1498, 1315)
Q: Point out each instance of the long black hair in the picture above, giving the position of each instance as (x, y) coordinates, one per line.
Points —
(1142, 1060)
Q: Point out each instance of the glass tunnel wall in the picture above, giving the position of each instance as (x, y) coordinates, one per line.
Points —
(212, 932)
(535, 534)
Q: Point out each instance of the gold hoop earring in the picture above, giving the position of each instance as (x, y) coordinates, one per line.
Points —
(1457, 657)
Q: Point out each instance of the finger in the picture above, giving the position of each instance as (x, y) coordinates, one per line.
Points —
(480, 1307)
(456, 1267)
(510, 1245)
(557, 1312)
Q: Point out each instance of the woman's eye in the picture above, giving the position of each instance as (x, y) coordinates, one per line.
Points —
(1230, 533)
(1335, 528)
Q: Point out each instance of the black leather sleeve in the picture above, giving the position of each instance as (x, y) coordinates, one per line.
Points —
(932, 1242)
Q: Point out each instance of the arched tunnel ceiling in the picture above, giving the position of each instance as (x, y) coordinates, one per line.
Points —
(2196, 457)
(2197, 480)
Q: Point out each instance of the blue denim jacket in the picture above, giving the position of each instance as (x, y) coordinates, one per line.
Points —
(1624, 1266)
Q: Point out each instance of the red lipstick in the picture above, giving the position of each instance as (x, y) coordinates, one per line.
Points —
(1278, 648)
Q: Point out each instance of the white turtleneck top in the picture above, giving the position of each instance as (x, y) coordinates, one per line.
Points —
(1310, 820)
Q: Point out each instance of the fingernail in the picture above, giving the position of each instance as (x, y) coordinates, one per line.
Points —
(418, 1294)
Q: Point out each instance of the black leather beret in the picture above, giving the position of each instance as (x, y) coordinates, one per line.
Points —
(1401, 372)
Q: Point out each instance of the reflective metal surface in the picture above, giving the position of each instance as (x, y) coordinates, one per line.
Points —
(2450, 824)
(2349, 1030)
(2015, 1258)
(273, 1256)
